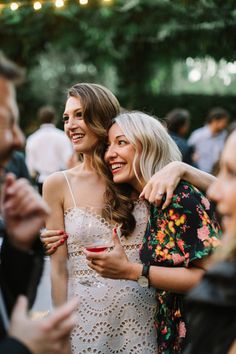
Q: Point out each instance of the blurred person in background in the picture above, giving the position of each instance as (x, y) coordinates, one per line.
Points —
(216, 167)
(48, 149)
(178, 123)
(212, 304)
(17, 165)
(23, 212)
(208, 141)
(231, 127)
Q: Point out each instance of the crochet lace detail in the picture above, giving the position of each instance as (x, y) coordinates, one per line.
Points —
(119, 316)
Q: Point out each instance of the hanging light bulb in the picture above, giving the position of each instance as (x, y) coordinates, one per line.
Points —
(14, 6)
(59, 3)
(83, 2)
(37, 5)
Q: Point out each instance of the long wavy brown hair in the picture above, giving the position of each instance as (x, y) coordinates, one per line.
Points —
(100, 107)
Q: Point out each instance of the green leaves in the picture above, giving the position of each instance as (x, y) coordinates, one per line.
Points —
(130, 45)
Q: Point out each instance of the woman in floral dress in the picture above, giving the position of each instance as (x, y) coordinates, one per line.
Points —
(185, 231)
(178, 239)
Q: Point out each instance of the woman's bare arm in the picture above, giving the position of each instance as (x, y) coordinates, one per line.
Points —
(116, 265)
(166, 180)
(53, 195)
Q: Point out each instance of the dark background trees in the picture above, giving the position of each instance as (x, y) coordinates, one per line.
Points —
(138, 48)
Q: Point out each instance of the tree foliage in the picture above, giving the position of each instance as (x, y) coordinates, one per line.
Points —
(124, 44)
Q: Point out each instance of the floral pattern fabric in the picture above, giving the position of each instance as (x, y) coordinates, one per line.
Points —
(185, 231)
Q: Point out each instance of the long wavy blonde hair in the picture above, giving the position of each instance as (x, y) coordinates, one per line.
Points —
(100, 107)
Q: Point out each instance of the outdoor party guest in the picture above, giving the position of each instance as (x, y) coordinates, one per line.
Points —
(211, 305)
(178, 240)
(178, 123)
(208, 141)
(118, 316)
(21, 259)
(48, 149)
(17, 165)
(212, 317)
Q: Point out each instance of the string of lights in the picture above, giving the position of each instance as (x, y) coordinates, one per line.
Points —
(37, 5)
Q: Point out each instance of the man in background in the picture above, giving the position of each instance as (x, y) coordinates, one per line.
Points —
(178, 123)
(48, 149)
(208, 141)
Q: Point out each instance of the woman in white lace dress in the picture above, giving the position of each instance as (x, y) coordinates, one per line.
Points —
(117, 317)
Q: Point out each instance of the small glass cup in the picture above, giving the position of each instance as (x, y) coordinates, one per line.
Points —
(97, 232)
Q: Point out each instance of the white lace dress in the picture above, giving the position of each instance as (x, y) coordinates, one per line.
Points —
(119, 316)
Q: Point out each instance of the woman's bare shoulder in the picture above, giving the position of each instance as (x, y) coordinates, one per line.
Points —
(56, 178)
(55, 185)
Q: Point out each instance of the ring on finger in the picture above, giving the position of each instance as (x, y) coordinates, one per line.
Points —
(159, 193)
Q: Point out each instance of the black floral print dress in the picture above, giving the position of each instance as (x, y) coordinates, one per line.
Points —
(185, 231)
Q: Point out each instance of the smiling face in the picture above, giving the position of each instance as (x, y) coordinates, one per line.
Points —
(223, 191)
(120, 156)
(82, 138)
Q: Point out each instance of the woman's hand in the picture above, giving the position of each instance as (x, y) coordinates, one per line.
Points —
(163, 182)
(52, 239)
(113, 264)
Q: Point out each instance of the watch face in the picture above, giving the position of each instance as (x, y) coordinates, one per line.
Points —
(143, 281)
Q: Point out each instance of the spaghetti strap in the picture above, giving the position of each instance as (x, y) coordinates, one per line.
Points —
(69, 186)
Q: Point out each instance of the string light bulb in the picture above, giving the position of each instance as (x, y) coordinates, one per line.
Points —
(59, 3)
(37, 5)
(14, 6)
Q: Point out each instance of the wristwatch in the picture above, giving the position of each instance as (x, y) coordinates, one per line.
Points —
(143, 279)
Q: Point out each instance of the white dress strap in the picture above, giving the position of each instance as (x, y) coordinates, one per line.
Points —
(69, 186)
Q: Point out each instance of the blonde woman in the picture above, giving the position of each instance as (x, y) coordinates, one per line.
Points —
(211, 305)
(178, 239)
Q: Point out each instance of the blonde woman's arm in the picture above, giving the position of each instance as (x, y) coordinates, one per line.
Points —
(116, 265)
(165, 181)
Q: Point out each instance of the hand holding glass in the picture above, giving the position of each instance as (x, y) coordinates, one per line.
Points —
(97, 234)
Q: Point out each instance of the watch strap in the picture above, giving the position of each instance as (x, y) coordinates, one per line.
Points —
(145, 271)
